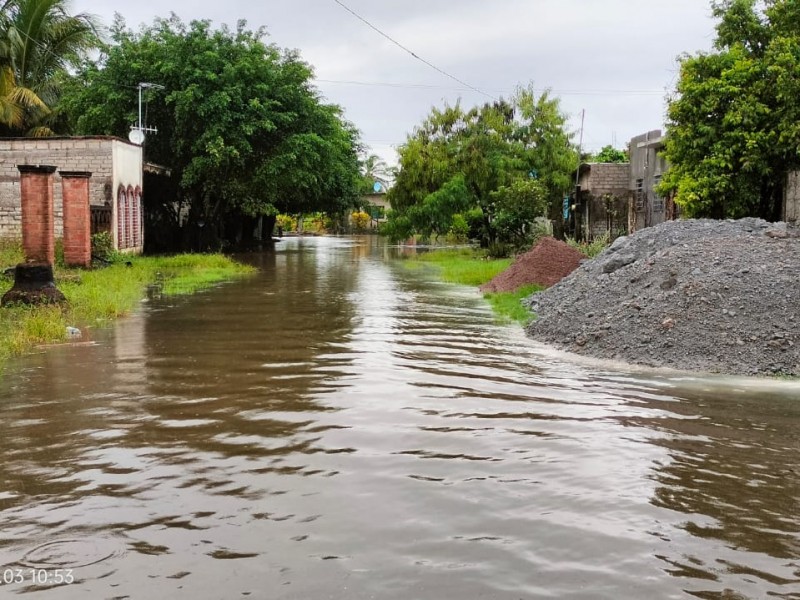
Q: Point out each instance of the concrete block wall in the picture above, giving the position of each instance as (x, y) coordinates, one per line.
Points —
(606, 178)
(607, 214)
(68, 154)
(605, 196)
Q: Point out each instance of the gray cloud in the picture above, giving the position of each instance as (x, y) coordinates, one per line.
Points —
(616, 58)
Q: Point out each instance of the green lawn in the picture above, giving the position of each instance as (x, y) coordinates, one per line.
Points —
(469, 267)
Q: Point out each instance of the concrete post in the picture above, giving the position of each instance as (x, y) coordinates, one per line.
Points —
(77, 218)
(38, 226)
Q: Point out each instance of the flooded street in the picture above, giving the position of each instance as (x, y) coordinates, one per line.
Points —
(343, 426)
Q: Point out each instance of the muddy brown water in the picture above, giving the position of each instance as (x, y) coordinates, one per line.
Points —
(342, 426)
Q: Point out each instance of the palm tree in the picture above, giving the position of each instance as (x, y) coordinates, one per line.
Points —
(39, 42)
(374, 169)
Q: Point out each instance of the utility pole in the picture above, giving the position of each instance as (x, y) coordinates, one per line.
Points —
(577, 214)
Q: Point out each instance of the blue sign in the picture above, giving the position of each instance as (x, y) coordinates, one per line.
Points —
(377, 187)
(566, 208)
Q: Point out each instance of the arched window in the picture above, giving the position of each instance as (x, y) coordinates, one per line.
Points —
(137, 217)
(129, 220)
(122, 206)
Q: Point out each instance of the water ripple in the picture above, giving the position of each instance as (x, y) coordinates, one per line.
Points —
(345, 427)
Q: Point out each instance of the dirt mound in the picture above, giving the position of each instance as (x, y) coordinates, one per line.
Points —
(547, 263)
(718, 296)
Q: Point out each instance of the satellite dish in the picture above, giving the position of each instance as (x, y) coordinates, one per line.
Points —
(136, 136)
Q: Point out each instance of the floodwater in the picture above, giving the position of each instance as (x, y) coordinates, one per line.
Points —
(342, 426)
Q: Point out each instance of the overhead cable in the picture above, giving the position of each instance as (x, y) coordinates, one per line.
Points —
(411, 52)
(564, 92)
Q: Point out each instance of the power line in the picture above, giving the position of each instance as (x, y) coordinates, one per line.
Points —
(411, 52)
(560, 92)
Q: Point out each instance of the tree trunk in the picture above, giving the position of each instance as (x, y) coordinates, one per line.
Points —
(771, 201)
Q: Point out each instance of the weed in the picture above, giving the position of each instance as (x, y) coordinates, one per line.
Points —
(508, 305)
(593, 248)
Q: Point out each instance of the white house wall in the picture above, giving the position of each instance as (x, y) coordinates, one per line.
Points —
(128, 174)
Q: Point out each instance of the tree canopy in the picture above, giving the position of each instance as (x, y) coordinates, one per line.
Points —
(609, 154)
(499, 165)
(734, 121)
(240, 125)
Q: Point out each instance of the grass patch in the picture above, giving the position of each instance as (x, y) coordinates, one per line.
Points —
(463, 266)
(469, 267)
(508, 305)
(10, 252)
(97, 297)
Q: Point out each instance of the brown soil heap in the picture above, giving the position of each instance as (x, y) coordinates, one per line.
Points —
(547, 263)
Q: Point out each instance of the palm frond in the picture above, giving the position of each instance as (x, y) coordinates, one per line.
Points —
(26, 98)
(40, 132)
(39, 42)
(11, 114)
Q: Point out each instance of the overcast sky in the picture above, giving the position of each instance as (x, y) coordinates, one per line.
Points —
(614, 58)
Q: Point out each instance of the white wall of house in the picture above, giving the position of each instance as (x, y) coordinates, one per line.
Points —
(128, 175)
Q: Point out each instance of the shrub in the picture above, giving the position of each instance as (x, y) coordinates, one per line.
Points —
(397, 227)
(593, 248)
(459, 230)
(286, 222)
(103, 248)
(499, 250)
(360, 220)
(317, 223)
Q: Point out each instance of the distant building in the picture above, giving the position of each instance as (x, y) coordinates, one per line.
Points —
(622, 198)
(647, 166)
(376, 205)
(604, 198)
(115, 187)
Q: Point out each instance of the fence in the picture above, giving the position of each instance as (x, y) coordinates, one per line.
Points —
(101, 218)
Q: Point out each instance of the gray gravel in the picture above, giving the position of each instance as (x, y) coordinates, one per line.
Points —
(699, 295)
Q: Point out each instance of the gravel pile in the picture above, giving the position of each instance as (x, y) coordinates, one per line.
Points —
(547, 263)
(714, 296)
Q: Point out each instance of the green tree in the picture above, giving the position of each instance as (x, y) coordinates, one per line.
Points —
(500, 165)
(39, 42)
(733, 129)
(516, 207)
(609, 154)
(239, 123)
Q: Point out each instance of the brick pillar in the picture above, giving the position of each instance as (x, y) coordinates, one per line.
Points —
(38, 237)
(77, 218)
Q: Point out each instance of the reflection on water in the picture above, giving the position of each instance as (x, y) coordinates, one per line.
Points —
(341, 426)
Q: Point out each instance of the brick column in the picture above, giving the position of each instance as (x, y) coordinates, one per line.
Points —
(77, 218)
(38, 238)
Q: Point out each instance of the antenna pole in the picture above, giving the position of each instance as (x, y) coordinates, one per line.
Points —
(140, 127)
(580, 149)
(139, 123)
(578, 208)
